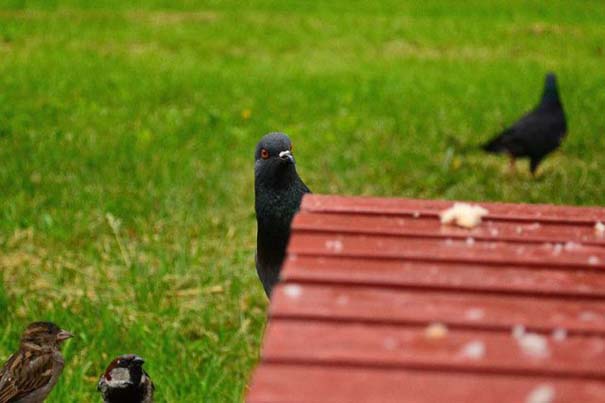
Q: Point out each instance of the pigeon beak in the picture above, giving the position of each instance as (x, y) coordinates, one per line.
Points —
(287, 156)
(64, 335)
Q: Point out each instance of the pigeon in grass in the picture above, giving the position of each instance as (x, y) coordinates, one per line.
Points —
(278, 193)
(31, 373)
(125, 381)
(536, 134)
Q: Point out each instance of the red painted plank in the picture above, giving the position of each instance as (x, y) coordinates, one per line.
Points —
(453, 276)
(480, 311)
(407, 207)
(378, 345)
(431, 227)
(295, 384)
(469, 250)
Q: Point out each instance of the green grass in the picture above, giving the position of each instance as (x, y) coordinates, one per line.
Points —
(126, 156)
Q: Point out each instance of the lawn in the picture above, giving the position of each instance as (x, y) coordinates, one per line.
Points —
(127, 134)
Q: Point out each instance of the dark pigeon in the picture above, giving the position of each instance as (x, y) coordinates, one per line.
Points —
(536, 134)
(278, 193)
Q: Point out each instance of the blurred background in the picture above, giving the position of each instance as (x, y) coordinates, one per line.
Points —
(127, 132)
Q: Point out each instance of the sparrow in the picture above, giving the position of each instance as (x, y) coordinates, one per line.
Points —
(125, 381)
(536, 134)
(278, 193)
(30, 374)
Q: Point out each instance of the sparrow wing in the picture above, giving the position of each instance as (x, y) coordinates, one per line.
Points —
(23, 373)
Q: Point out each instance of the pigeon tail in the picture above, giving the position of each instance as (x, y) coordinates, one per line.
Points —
(495, 145)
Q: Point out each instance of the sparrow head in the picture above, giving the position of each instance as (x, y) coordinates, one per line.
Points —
(125, 370)
(44, 334)
(274, 160)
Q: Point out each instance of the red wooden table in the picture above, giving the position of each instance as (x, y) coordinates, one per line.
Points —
(380, 302)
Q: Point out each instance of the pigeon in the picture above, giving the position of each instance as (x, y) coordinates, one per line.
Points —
(30, 374)
(536, 134)
(278, 193)
(125, 381)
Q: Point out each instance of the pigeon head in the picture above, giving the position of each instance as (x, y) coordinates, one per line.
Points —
(274, 161)
(551, 93)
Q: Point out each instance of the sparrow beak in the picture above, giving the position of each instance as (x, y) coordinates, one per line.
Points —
(64, 335)
(287, 156)
(138, 360)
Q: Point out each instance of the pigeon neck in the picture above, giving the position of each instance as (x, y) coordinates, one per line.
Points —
(550, 95)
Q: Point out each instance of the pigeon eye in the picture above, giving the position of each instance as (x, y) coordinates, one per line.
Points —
(264, 153)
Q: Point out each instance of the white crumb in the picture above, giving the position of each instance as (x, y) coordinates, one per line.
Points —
(571, 245)
(518, 331)
(334, 246)
(559, 334)
(593, 260)
(463, 215)
(416, 214)
(470, 241)
(475, 350)
(435, 331)
(474, 314)
(293, 290)
(541, 394)
(599, 228)
(534, 345)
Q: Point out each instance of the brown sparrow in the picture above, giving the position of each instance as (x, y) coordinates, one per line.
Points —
(30, 374)
(125, 381)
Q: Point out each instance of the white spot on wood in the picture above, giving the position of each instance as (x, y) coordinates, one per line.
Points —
(593, 260)
(293, 291)
(533, 227)
(557, 249)
(463, 215)
(470, 241)
(541, 394)
(334, 246)
(494, 231)
(599, 228)
(390, 343)
(588, 316)
(534, 345)
(342, 300)
(474, 314)
(475, 350)
(416, 214)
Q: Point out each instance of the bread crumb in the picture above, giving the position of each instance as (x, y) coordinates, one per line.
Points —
(474, 350)
(534, 345)
(518, 331)
(293, 290)
(435, 331)
(599, 228)
(541, 394)
(463, 215)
